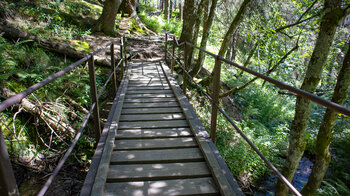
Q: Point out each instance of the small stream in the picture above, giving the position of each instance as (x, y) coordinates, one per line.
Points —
(300, 178)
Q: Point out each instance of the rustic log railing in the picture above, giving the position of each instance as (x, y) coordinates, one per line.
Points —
(214, 97)
(9, 185)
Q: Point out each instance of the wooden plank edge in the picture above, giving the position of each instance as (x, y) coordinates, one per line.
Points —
(102, 150)
(221, 173)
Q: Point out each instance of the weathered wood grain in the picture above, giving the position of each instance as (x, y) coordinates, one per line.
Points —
(152, 133)
(154, 143)
(152, 110)
(143, 117)
(153, 124)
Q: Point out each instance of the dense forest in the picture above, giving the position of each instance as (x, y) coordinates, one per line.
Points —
(303, 43)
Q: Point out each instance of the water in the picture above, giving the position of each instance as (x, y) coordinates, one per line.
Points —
(300, 178)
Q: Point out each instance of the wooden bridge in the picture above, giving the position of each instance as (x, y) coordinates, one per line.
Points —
(152, 143)
(155, 143)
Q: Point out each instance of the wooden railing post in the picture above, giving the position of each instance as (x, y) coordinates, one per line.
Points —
(185, 66)
(173, 56)
(114, 78)
(122, 64)
(93, 91)
(166, 47)
(124, 50)
(8, 186)
(215, 96)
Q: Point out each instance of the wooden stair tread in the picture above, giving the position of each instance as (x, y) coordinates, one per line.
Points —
(157, 156)
(142, 117)
(153, 124)
(152, 110)
(153, 133)
(150, 105)
(159, 171)
(150, 100)
(154, 143)
(195, 186)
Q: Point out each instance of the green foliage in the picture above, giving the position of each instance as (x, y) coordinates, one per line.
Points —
(157, 24)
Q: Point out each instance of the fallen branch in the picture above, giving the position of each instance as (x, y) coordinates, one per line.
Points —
(33, 109)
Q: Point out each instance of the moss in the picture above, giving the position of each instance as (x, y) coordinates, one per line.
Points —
(80, 46)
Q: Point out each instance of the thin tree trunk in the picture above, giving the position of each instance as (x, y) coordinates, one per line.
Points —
(206, 31)
(329, 22)
(324, 136)
(180, 10)
(236, 21)
(166, 9)
(106, 22)
(189, 13)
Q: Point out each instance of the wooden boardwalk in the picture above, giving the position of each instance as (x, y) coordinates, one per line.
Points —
(154, 143)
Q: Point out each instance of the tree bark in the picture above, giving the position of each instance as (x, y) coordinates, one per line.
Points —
(329, 22)
(106, 22)
(166, 9)
(324, 136)
(189, 13)
(236, 21)
(206, 31)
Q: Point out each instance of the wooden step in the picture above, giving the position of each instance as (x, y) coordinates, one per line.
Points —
(157, 143)
(129, 92)
(157, 156)
(147, 95)
(194, 186)
(160, 171)
(151, 105)
(143, 117)
(152, 110)
(164, 87)
(153, 124)
(152, 133)
(150, 100)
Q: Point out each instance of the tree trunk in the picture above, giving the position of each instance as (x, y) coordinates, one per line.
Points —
(189, 13)
(236, 21)
(106, 22)
(56, 47)
(196, 31)
(180, 10)
(329, 22)
(206, 31)
(166, 9)
(324, 136)
(130, 7)
(57, 125)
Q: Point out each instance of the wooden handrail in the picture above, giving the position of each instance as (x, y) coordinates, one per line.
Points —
(94, 107)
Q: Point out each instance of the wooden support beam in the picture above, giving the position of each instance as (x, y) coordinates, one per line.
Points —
(122, 65)
(166, 47)
(125, 53)
(173, 56)
(114, 78)
(184, 84)
(215, 96)
(93, 92)
(8, 184)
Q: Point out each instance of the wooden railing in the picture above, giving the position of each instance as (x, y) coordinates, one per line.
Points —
(214, 97)
(7, 181)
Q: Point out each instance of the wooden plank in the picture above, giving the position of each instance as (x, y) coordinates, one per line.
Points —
(153, 124)
(194, 186)
(151, 83)
(154, 143)
(151, 105)
(160, 171)
(152, 133)
(222, 175)
(142, 117)
(152, 110)
(165, 87)
(147, 95)
(149, 92)
(157, 156)
(150, 100)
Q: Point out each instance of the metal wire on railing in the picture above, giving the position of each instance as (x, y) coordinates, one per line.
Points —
(94, 107)
(331, 105)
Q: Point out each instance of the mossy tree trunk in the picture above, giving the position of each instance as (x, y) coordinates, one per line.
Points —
(205, 35)
(106, 22)
(333, 14)
(166, 9)
(324, 136)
